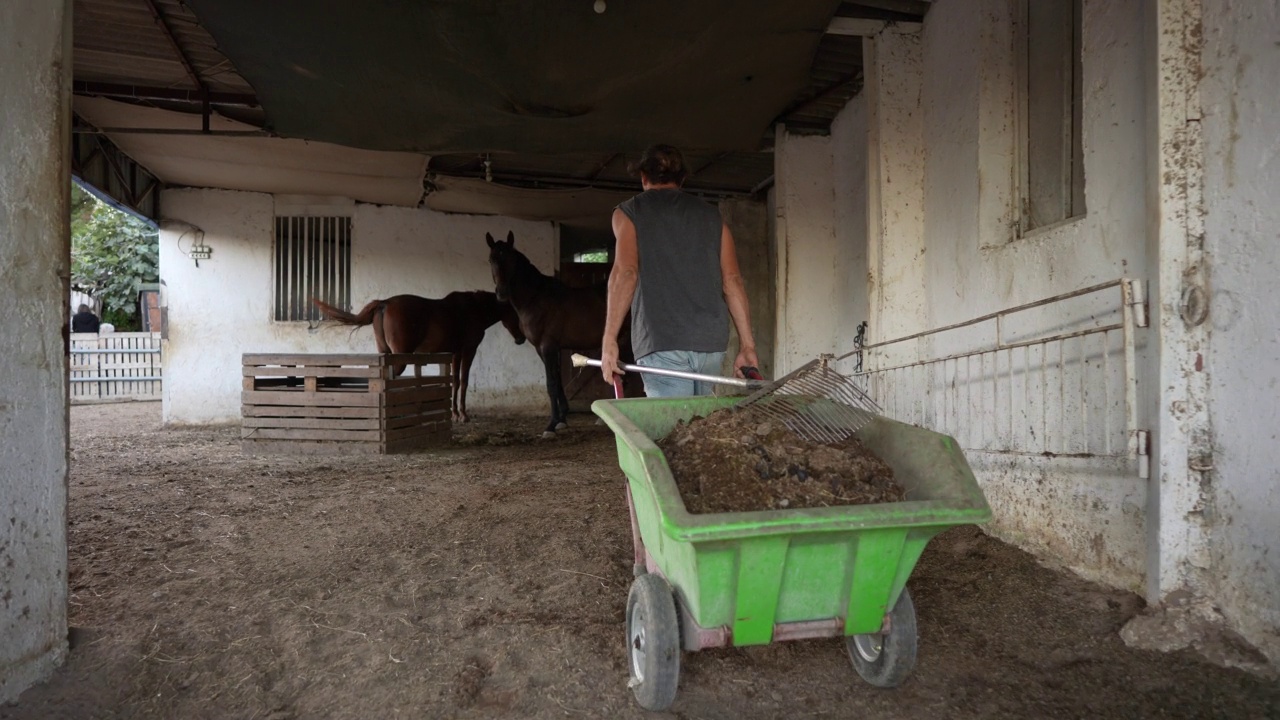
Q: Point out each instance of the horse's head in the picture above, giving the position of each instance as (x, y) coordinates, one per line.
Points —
(511, 321)
(504, 262)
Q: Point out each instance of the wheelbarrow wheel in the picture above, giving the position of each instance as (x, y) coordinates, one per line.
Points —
(653, 642)
(886, 659)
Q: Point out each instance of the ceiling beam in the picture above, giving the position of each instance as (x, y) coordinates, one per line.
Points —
(717, 158)
(906, 7)
(99, 164)
(571, 182)
(800, 127)
(860, 27)
(821, 94)
(143, 92)
(763, 185)
(168, 131)
(177, 49)
(604, 166)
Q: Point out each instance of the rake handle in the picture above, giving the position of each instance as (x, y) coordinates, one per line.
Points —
(583, 361)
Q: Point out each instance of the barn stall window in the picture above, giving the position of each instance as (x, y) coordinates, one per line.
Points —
(312, 260)
(1050, 152)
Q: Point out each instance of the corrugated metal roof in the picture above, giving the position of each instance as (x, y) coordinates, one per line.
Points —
(834, 78)
(122, 42)
(149, 45)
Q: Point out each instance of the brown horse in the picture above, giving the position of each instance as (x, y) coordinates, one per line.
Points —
(454, 324)
(553, 316)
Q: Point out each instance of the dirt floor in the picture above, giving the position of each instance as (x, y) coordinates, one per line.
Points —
(733, 461)
(488, 580)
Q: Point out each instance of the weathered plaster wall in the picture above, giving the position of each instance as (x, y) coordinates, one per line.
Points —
(750, 227)
(1242, 239)
(1087, 514)
(895, 166)
(820, 221)
(223, 308)
(35, 54)
(971, 272)
(849, 147)
(814, 292)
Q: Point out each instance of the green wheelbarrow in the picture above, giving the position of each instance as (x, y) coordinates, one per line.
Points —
(753, 578)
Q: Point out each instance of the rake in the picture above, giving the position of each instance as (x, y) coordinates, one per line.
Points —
(814, 401)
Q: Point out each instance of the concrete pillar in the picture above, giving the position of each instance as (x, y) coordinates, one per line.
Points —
(35, 119)
(1178, 512)
(1240, 62)
(895, 184)
(814, 294)
(849, 146)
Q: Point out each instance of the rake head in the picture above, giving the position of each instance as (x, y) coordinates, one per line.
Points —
(815, 402)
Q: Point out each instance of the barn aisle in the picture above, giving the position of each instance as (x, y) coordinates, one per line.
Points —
(489, 579)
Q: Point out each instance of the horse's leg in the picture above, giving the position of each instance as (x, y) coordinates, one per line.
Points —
(560, 404)
(562, 412)
(455, 374)
(551, 362)
(380, 336)
(464, 376)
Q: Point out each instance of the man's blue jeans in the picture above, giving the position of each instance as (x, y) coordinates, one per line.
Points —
(685, 360)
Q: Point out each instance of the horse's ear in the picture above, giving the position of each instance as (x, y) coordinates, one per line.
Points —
(511, 238)
(489, 239)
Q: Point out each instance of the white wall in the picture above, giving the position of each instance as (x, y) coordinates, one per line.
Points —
(222, 309)
(895, 167)
(1242, 237)
(748, 221)
(821, 218)
(942, 248)
(963, 258)
(849, 148)
(818, 263)
(35, 54)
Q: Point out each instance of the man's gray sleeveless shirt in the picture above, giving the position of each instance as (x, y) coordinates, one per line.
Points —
(679, 301)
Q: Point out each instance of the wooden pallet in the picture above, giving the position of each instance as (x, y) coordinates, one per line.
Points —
(343, 403)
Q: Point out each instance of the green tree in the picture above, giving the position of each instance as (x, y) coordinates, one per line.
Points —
(595, 256)
(112, 255)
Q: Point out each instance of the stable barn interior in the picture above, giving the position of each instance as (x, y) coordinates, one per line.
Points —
(1056, 221)
(393, 250)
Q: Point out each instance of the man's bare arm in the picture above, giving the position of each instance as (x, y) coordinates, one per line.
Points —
(622, 288)
(735, 296)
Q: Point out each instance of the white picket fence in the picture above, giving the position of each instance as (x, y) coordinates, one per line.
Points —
(115, 366)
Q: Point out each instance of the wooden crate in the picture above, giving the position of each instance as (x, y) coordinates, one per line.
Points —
(343, 403)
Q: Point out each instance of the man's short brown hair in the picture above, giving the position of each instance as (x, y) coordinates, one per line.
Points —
(662, 164)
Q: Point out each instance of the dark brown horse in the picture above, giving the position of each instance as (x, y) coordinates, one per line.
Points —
(553, 316)
(454, 324)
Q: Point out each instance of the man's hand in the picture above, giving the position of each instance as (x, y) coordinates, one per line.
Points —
(609, 360)
(746, 358)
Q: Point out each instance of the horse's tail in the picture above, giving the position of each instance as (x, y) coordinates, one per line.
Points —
(360, 319)
(370, 314)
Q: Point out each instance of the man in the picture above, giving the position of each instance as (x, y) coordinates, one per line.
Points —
(676, 269)
(84, 321)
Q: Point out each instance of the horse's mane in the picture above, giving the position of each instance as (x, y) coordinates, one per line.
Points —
(472, 294)
(527, 272)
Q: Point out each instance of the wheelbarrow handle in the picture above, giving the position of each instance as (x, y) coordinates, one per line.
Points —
(583, 361)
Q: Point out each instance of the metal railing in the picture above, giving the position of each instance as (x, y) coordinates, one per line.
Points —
(1002, 383)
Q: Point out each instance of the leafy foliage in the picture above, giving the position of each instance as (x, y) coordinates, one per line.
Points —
(595, 256)
(112, 255)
